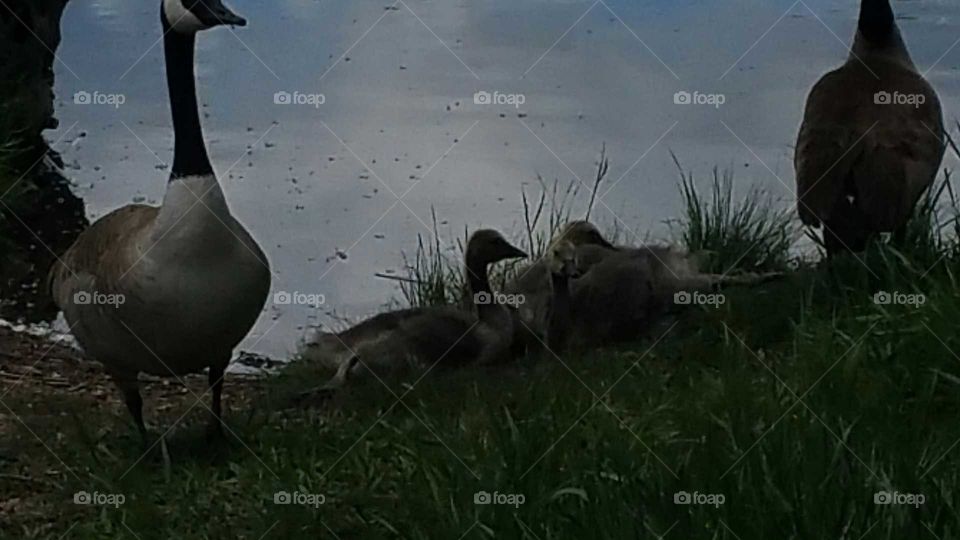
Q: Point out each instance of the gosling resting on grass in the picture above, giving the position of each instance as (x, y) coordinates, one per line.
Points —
(168, 290)
(624, 294)
(331, 349)
(562, 264)
(871, 141)
(442, 336)
(534, 281)
(598, 293)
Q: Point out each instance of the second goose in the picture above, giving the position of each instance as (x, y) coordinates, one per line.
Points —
(871, 141)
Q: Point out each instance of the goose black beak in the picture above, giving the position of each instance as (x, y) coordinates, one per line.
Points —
(516, 253)
(225, 16)
(214, 13)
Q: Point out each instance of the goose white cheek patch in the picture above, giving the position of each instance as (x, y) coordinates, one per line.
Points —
(180, 18)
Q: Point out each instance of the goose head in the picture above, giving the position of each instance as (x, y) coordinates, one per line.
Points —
(878, 36)
(191, 16)
(876, 23)
(583, 233)
(487, 246)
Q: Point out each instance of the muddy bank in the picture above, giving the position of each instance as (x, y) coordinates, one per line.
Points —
(39, 215)
(36, 370)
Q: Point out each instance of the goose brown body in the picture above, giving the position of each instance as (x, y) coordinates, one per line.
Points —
(181, 283)
(186, 303)
(871, 141)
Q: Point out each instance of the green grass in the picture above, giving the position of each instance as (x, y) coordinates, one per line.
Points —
(597, 444)
(750, 232)
(434, 274)
(797, 402)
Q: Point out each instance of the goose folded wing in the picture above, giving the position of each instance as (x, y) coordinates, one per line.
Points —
(899, 162)
(101, 255)
(826, 149)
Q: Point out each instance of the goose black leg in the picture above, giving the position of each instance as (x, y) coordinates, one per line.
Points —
(130, 388)
(215, 430)
(845, 231)
(135, 406)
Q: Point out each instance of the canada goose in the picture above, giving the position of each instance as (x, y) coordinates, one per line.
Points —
(626, 292)
(187, 280)
(446, 336)
(331, 349)
(562, 264)
(871, 141)
(535, 278)
(534, 281)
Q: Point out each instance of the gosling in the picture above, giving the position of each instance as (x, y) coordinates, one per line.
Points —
(441, 336)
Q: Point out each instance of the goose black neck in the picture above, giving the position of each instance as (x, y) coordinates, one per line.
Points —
(560, 284)
(479, 282)
(190, 152)
(558, 324)
(877, 22)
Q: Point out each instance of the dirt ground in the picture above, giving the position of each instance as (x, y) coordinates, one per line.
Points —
(47, 389)
(34, 371)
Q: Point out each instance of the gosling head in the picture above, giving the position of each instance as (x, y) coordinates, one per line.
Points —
(562, 260)
(191, 16)
(583, 233)
(487, 246)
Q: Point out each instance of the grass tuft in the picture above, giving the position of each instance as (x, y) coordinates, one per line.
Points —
(434, 274)
(749, 233)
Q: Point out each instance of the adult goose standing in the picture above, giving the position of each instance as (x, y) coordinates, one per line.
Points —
(871, 141)
(186, 280)
(446, 336)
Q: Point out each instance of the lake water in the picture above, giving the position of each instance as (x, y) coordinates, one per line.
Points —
(320, 186)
